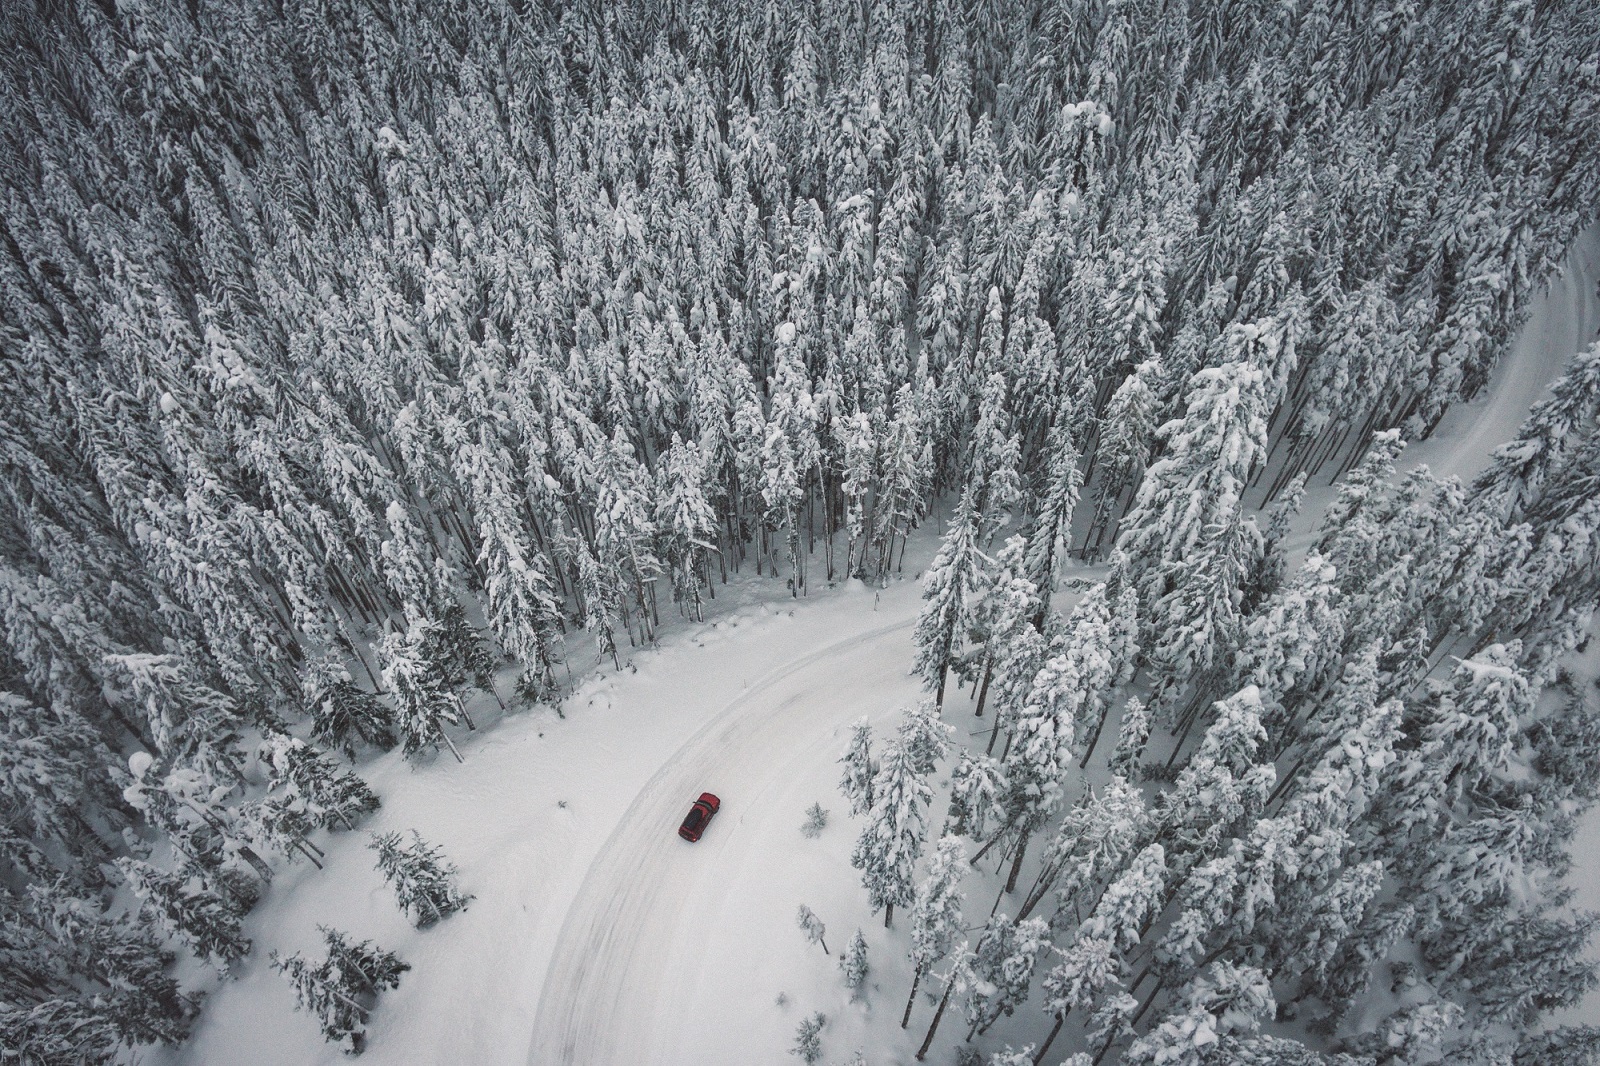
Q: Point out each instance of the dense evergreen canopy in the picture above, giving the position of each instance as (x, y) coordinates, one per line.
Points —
(376, 339)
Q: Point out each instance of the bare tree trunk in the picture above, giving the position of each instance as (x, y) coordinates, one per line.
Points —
(916, 979)
(938, 1015)
(1038, 1056)
(1016, 863)
(448, 742)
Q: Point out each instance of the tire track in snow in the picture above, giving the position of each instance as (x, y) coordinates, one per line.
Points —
(608, 974)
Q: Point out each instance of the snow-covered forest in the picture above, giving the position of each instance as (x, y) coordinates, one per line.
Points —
(368, 366)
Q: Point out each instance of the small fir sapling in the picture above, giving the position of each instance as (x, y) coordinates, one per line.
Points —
(342, 989)
(812, 926)
(423, 881)
(854, 964)
(808, 1039)
(859, 768)
(816, 821)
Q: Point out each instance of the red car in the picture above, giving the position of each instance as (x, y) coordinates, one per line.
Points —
(699, 817)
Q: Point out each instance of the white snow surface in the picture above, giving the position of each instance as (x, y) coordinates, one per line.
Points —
(597, 936)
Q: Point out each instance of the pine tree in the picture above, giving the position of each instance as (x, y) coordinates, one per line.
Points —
(419, 682)
(808, 1039)
(1003, 963)
(859, 769)
(204, 921)
(1186, 543)
(1087, 968)
(1124, 448)
(935, 914)
(1132, 733)
(1008, 620)
(688, 524)
(854, 964)
(954, 585)
(342, 988)
(923, 737)
(1225, 1000)
(812, 927)
(888, 847)
(976, 785)
(330, 796)
(342, 713)
(1050, 538)
(424, 883)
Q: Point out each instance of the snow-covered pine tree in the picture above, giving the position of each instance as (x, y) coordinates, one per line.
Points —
(424, 883)
(936, 914)
(859, 769)
(854, 964)
(1092, 642)
(1186, 544)
(891, 842)
(1087, 968)
(976, 785)
(1131, 902)
(1013, 649)
(808, 1038)
(342, 713)
(923, 737)
(330, 796)
(812, 927)
(77, 979)
(1225, 1000)
(1002, 969)
(342, 988)
(1132, 733)
(418, 679)
(687, 523)
(193, 912)
(1125, 442)
(952, 590)
(1050, 536)
(1093, 842)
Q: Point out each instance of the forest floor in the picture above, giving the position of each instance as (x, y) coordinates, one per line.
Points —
(597, 936)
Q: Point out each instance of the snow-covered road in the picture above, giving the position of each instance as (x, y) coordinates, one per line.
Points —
(627, 968)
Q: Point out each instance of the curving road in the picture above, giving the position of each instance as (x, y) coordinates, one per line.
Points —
(633, 921)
